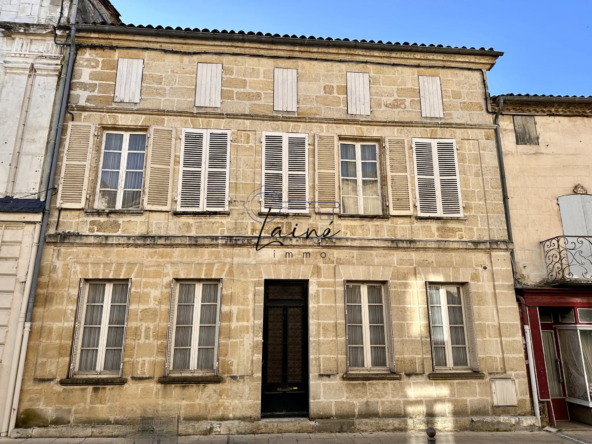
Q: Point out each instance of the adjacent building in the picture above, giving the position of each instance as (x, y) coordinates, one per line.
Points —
(256, 226)
(547, 147)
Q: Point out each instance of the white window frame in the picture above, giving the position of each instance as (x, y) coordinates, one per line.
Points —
(81, 315)
(359, 178)
(193, 370)
(122, 170)
(386, 307)
(446, 327)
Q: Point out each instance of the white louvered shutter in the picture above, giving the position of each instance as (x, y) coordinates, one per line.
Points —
(273, 171)
(297, 171)
(159, 168)
(285, 89)
(327, 173)
(358, 93)
(450, 195)
(191, 171)
(430, 94)
(128, 84)
(218, 170)
(398, 177)
(425, 178)
(76, 164)
(208, 91)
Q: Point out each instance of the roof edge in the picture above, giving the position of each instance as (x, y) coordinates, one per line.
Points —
(537, 98)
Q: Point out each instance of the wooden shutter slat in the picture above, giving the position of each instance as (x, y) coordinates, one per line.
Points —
(208, 91)
(128, 84)
(327, 173)
(76, 164)
(425, 178)
(450, 194)
(358, 93)
(273, 171)
(297, 180)
(218, 170)
(430, 94)
(285, 89)
(191, 171)
(159, 167)
(398, 177)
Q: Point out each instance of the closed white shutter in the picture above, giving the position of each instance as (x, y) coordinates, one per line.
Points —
(430, 94)
(218, 170)
(398, 177)
(297, 183)
(425, 178)
(273, 171)
(285, 89)
(358, 93)
(191, 171)
(159, 168)
(208, 91)
(449, 180)
(128, 84)
(327, 177)
(76, 164)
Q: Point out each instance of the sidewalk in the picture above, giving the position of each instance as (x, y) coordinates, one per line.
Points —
(582, 437)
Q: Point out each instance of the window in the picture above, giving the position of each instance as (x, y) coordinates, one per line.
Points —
(575, 344)
(525, 130)
(360, 179)
(437, 180)
(430, 95)
(448, 324)
(285, 89)
(585, 315)
(128, 83)
(195, 315)
(101, 325)
(285, 172)
(367, 321)
(122, 171)
(567, 316)
(208, 90)
(545, 315)
(204, 170)
(358, 93)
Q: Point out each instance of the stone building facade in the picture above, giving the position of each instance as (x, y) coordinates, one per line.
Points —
(397, 311)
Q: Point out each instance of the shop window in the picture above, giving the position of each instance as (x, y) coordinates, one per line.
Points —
(566, 316)
(585, 315)
(545, 315)
(576, 352)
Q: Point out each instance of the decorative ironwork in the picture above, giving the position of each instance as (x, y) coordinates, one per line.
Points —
(568, 258)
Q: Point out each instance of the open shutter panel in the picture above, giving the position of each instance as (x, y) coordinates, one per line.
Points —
(192, 171)
(430, 95)
(168, 365)
(297, 183)
(327, 173)
(208, 91)
(128, 84)
(398, 177)
(470, 330)
(425, 179)
(218, 170)
(77, 329)
(285, 89)
(449, 180)
(273, 171)
(358, 93)
(76, 164)
(159, 168)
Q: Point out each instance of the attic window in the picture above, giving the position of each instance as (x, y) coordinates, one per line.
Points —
(525, 130)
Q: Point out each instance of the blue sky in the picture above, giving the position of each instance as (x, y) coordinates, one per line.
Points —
(547, 44)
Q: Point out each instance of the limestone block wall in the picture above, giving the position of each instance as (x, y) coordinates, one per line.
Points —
(32, 11)
(537, 175)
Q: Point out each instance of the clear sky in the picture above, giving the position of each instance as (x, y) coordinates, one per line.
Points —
(547, 44)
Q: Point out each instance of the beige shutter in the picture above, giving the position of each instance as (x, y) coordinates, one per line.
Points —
(297, 172)
(128, 84)
(191, 170)
(76, 165)
(358, 93)
(217, 170)
(470, 329)
(77, 332)
(272, 159)
(285, 89)
(449, 185)
(398, 177)
(327, 173)
(425, 178)
(159, 168)
(430, 94)
(208, 91)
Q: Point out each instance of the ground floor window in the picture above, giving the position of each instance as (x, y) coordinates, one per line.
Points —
(575, 343)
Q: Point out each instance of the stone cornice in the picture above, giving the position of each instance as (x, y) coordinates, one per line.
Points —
(545, 107)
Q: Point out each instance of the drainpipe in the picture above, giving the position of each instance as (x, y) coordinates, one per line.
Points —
(60, 128)
(500, 156)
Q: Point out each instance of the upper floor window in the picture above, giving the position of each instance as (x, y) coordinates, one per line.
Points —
(122, 171)
(128, 84)
(430, 95)
(360, 179)
(525, 130)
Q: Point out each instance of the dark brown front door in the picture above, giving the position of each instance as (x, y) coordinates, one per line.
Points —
(285, 350)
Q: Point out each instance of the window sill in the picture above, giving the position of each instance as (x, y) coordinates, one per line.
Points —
(199, 379)
(451, 376)
(282, 214)
(363, 376)
(93, 381)
(363, 216)
(441, 218)
(107, 212)
(201, 213)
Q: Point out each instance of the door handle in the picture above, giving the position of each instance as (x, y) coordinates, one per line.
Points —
(286, 389)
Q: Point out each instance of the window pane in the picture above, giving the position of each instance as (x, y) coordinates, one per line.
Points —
(107, 199)
(571, 354)
(348, 151)
(438, 333)
(372, 205)
(207, 336)
(135, 161)
(375, 314)
(356, 357)
(133, 180)
(545, 314)
(208, 314)
(457, 336)
(354, 314)
(436, 315)
(585, 315)
(109, 180)
(369, 170)
(112, 359)
(349, 187)
(368, 152)
(117, 315)
(354, 294)
(439, 356)
(88, 360)
(113, 142)
(378, 356)
(370, 188)
(185, 314)
(90, 337)
(119, 295)
(459, 356)
(434, 295)
(205, 358)
(115, 336)
(350, 205)
(374, 294)
(94, 315)
(586, 337)
(377, 336)
(566, 316)
(354, 335)
(137, 142)
(181, 359)
(455, 316)
(96, 293)
(209, 293)
(552, 364)
(348, 169)
(453, 296)
(111, 161)
(131, 199)
(183, 336)
(186, 293)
